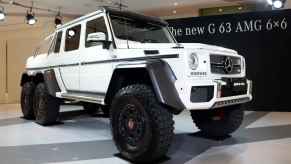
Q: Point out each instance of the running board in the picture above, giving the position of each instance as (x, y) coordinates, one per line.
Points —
(87, 97)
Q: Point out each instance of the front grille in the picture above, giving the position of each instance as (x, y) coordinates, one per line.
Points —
(225, 64)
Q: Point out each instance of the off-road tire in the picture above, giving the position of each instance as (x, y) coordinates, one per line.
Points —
(154, 123)
(218, 122)
(27, 93)
(46, 107)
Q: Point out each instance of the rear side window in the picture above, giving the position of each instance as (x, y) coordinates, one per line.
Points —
(58, 42)
(93, 26)
(73, 38)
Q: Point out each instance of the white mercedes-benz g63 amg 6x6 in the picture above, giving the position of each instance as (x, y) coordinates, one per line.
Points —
(130, 66)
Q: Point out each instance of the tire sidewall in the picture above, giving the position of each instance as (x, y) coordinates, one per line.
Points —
(46, 107)
(27, 94)
(40, 94)
(117, 106)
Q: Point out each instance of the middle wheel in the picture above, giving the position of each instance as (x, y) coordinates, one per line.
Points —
(142, 129)
(46, 107)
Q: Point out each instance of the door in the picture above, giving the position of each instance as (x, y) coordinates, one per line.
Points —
(69, 59)
(96, 69)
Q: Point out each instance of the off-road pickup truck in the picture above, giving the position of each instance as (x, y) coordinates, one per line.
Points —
(131, 67)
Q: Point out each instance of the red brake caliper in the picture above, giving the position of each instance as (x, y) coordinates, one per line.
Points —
(219, 115)
(130, 124)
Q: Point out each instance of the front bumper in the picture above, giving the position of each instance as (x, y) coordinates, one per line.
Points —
(217, 99)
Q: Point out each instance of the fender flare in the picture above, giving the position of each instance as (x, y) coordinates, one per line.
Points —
(25, 78)
(163, 81)
(51, 82)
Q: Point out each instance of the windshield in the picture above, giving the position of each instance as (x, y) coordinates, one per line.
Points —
(143, 32)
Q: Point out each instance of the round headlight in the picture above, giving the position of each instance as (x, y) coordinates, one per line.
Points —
(193, 61)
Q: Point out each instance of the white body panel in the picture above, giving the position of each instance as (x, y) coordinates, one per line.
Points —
(95, 77)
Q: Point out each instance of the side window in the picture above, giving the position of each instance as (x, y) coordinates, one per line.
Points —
(58, 42)
(73, 38)
(93, 26)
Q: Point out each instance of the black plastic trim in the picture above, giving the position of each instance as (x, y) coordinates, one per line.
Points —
(133, 59)
(51, 82)
(87, 92)
(112, 60)
(201, 94)
(151, 52)
(163, 81)
(24, 78)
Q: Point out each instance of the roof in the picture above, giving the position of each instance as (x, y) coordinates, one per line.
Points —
(137, 16)
(127, 14)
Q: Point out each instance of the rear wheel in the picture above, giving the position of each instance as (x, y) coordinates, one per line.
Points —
(46, 107)
(27, 93)
(142, 129)
(218, 122)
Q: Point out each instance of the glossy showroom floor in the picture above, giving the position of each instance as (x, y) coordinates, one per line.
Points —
(263, 138)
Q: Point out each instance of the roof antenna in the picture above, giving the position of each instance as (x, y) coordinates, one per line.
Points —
(120, 5)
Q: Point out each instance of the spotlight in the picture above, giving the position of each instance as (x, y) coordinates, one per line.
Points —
(2, 13)
(30, 18)
(278, 4)
(58, 20)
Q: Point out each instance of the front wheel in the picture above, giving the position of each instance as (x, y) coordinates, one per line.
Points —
(142, 129)
(218, 122)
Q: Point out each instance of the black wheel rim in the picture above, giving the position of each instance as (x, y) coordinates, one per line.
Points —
(131, 126)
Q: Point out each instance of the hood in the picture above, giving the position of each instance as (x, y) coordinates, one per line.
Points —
(208, 47)
(136, 45)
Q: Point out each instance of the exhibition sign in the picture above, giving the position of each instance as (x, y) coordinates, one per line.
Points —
(228, 27)
(263, 38)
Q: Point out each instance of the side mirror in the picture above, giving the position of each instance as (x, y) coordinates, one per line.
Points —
(96, 37)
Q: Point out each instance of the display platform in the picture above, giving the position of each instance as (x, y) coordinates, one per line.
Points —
(264, 137)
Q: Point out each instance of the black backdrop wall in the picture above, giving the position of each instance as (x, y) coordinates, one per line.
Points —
(263, 38)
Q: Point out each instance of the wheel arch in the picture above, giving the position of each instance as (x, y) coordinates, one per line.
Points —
(157, 74)
(48, 77)
(36, 78)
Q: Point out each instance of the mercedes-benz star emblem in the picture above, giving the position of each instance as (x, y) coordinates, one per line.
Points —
(228, 65)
